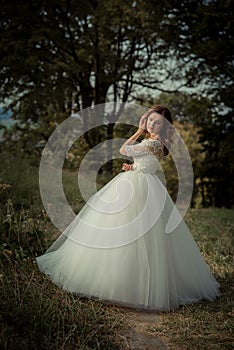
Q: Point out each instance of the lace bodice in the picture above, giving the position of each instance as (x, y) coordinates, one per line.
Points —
(146, 155)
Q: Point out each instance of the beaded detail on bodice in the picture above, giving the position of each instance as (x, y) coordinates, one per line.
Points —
(146, 155)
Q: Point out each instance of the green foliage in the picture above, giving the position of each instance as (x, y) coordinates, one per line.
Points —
(204, 30)
(22, 179)
(23, 233)
(57, 55)
(64, 48)
(207, 129)
(60, 56)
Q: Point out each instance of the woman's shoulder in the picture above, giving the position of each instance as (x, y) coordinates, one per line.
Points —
(155, 146)
(152, 142)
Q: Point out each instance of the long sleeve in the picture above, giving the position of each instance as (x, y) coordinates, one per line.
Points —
(146, 147)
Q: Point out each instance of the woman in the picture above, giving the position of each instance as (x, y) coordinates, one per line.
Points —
(117, 248)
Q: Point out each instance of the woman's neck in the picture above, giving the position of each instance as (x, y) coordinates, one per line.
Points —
(154, 136)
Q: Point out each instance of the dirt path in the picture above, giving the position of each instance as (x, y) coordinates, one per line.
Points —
(139, 335)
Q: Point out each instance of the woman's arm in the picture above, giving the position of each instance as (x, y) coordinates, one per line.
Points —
(130, 141)
(135, 136)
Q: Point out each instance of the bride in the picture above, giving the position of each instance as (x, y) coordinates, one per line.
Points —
(117, 248)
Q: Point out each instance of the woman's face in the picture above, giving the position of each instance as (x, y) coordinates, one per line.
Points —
(154, 123)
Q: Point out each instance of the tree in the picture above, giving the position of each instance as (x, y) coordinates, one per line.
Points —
(62, 53)
(208, 132)
(55, 53)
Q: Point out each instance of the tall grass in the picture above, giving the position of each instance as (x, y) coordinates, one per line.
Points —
(38, 315)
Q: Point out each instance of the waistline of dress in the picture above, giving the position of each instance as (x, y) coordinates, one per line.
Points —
(136, 168)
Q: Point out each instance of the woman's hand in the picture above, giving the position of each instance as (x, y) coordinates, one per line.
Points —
(134, 137)
(127, 167)
(142, 122)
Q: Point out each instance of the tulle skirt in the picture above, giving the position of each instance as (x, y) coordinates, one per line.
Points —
(117, 249)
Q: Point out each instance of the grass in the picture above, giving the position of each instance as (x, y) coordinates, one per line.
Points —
(206, 325)
(38, 315)
(35, 314)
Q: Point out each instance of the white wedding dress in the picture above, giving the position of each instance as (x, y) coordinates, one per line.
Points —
(117, 248)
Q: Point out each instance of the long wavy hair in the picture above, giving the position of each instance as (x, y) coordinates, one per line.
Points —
(167, 131)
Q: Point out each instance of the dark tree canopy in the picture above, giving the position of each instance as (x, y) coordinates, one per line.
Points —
(58, 55)
(98, 50)
(69, 47)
